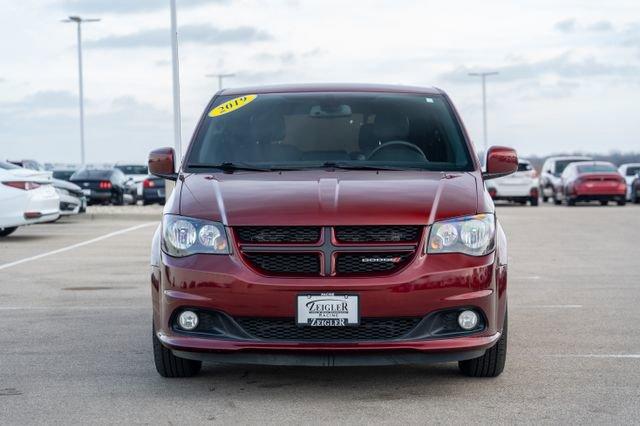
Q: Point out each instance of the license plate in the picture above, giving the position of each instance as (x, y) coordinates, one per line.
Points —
(86, 191)
(327, 310)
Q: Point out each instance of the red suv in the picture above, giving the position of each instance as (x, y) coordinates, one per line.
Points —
(330, 225)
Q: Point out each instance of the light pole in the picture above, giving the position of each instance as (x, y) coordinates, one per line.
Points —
(177, 116)
(484, 75)
(220, 77)
(79, 21)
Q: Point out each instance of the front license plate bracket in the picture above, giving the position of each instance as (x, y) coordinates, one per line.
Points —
(327, 310)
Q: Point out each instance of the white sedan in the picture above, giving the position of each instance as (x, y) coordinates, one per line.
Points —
(520, 187)
(26, 197)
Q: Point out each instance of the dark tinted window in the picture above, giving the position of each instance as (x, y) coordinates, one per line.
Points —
(596, 168)
(632, 171)
(91, 174)
(63, 174)
(309, 129)
(524, 167)
(562, 164)
(133, 169)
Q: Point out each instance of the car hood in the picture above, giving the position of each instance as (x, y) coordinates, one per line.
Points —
(329, 197)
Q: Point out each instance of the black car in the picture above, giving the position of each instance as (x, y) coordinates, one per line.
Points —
(105, 186)
(153, 190)
(635, 190)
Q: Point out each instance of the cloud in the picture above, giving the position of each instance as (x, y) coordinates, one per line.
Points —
(44, 101)
(128, 6)
(555, 90)
(287, 57)
(566, 25)
(200, 34)
(600, 26)
(126, 130)
(561, 66)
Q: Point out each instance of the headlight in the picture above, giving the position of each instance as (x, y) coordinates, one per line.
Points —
(184, 236)
(472, 235)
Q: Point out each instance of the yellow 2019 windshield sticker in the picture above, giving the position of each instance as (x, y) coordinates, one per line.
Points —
(232, 105)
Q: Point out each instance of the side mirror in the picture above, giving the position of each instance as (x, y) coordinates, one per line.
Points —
(501, 161)
(161, 163)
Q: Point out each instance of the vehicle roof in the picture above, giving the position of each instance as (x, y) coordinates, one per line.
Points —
(331, 87)
(599, 163)
(569, 157)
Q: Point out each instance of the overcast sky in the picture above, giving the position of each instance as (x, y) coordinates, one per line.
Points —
(569, 74)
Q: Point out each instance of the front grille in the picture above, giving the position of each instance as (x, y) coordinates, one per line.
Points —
(377, 234)
(286, 263)
(278, 234)
(369, 329)
(309, 250)
(362, 263)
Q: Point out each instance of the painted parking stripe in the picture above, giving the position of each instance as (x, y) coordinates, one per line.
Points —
(67, 308)
(75, 246)
(628, 356)
(549, 306)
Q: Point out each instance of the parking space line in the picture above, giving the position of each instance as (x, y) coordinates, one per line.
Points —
(630, 356)
(66, 308)
(549, 306)
(74, 246)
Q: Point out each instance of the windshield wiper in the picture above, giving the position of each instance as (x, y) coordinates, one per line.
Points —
(230, 167)
(352, 166)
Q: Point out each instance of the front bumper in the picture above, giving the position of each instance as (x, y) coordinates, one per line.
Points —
(428, 284)
(330, 359)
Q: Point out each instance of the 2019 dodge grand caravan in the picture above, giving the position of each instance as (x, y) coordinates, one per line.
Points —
(330, 225)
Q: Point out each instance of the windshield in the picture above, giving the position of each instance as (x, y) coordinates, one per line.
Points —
(632, 171)
(597, 168)
(133, 170)
(91, 174)
(306, 130)
(63, 174)
(524, 167)
(562, 164)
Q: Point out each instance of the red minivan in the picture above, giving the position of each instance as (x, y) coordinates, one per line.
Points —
(330, 225)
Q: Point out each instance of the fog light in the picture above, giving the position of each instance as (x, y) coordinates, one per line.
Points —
(468, 320)
(189, 320)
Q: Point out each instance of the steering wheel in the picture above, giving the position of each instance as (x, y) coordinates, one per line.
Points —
(404, 144)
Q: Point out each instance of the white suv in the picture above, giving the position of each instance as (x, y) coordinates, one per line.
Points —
(629, 172)
(550, 181)
(520, 187)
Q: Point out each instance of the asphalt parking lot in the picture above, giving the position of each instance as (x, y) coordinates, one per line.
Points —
(75, 342)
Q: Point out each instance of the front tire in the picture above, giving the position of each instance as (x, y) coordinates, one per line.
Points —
(534, 201)
(4, 232)
(622, 202)
(604, 202)
(491, 364)
(169, 365)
